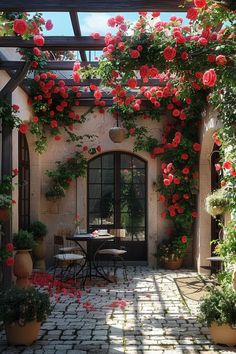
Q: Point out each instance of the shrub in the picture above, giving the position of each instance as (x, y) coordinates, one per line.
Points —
(38, 229)
(23, 240)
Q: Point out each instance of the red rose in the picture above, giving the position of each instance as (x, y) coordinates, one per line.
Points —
(184, 56)
(184, 239)
(192, 13)
(35, 119)
(163, 215)
(132, 131)
(169, 53)
(186, 196)
(57, 137)
(54, 123)
(9, 261)
(194, 214)
(166, 182)
(99, 149)
(23, 128)
(158, 150)
(227, 165)
(200, 3)
(97, 94)
(185, 170)
(196, 147)
(176, 112)
(76, 76)
(49, 25)
(134, 54)
(176, 180)
(162, 198)
(132, 82)
(184, 156)
(221, 60)
(85, 148)
(37, 51)
(20, 26)
(211, 58)
(9, 247)
(209, 78)
(15, 107)
(38, 40)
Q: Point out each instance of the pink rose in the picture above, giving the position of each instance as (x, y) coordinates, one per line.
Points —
(169, 53)
(20, 26)
(38, 40)
(209, 78)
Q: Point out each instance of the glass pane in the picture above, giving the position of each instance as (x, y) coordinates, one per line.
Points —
(108, 220)
(107, 191)
(95, 176)
(94, 206)
(106, 207)
(108, 161)
(125, 161)
(94, 190)
(139, 235)
(138, 191)
(126, 221)
(96, 163)
(107, 176)
(137, 163)
(139, 176)
(94, 219)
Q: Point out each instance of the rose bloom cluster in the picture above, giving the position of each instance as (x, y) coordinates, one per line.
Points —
(6, 254)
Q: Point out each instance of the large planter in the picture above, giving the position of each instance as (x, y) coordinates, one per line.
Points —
(173, 264)
(23, 267)
(223, 334)
(4, 214)
(39, 254)
(22, 335)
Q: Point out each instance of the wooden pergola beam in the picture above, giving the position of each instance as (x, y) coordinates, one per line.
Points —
(77, 31)
(93, 5)
(55, 43)
(51, 65)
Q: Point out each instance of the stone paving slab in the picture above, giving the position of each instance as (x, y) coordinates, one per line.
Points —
(146, 314)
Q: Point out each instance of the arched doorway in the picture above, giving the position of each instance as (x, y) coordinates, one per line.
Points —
(117, 195)
(24, 183)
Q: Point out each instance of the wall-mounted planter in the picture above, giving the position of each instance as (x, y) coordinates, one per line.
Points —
(117, 134)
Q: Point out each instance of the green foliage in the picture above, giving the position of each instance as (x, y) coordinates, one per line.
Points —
(65, 173)
(23, 305)
(219, 306)
(38, 229)
(55, 192)
(227, 247)
(23, 240)
(8, 115)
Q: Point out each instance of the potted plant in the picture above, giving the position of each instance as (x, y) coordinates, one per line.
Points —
(216, 203)
(218, 310)
(55, 192)
(23, 243)
(39, 231)
(5, 206)
(22, 311)
(171, 252)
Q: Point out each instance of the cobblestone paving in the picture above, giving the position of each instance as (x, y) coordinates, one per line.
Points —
(144, 315)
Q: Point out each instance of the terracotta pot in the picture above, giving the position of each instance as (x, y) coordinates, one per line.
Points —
(173, 264)
(4, 214)
(22, 335)
(23, 267)
(117, 134)
(223, 334)
(39, 254)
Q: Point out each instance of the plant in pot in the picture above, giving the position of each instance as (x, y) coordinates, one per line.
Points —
(55, 192)
(23, 243)
(39, 231)
(5, 206)
(171, 252)
(218, 310)
(216, 203)
(22, 310)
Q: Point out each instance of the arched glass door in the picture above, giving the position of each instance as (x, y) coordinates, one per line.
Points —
(117, 199)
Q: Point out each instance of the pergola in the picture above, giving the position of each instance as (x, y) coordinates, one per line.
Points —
(18, 69)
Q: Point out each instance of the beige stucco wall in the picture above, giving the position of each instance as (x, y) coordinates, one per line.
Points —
(55, 215)
(202, 245)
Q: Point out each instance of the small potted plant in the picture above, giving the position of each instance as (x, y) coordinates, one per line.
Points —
(39, 231)
(23, 243)
(22, 311)
(216, 203)
(5, 206)
(171, 252)
(218, 310)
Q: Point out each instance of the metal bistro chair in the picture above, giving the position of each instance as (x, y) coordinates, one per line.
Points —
(116, 254)
(66, 258)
